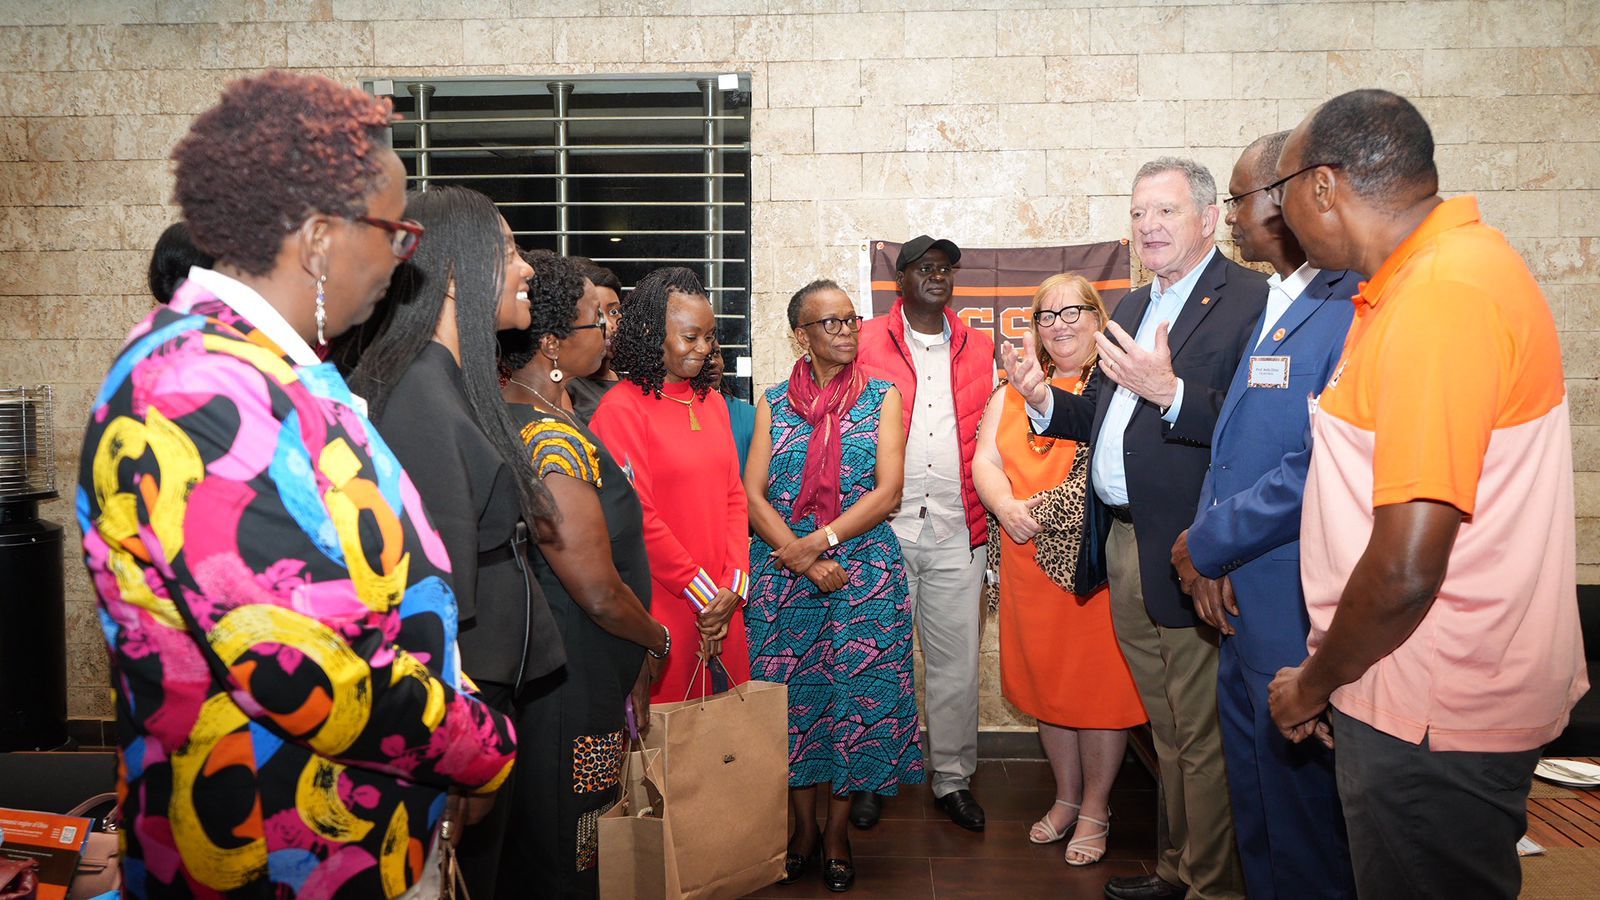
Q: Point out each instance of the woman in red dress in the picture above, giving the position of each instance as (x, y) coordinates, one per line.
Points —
(669, 431)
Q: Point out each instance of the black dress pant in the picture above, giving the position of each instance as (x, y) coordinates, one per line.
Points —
(1430, 824)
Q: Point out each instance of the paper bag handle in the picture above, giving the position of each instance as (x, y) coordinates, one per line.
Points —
(702, 672)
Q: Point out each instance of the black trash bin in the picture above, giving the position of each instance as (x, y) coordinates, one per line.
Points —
(33, 624)
(33, 631)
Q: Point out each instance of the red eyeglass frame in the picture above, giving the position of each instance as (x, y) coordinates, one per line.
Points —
(408, 226)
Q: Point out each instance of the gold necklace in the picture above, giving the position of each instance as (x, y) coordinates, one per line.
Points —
(546, 400)
(1034, 441)
(694, 423)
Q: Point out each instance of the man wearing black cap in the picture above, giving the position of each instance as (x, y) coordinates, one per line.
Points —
(945, 372)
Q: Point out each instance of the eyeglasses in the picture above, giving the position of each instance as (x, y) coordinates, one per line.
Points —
(598, 323)
(1275, 189)
(1232, 203)
(832, 324)
(403, 235)
(1044, 318)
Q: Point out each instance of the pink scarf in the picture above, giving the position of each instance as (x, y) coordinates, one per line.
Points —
(824, 409)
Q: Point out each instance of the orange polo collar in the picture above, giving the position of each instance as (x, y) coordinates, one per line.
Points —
(1452, 213)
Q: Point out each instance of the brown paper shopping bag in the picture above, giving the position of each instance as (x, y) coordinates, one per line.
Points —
(725, 760)
(635, 854)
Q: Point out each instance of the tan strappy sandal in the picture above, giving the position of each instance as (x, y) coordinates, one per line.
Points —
(1043, 825)
(1079, 847)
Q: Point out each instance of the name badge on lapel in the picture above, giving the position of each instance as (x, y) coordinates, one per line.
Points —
(1269, 371)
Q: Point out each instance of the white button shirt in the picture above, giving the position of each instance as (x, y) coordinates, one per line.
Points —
(931, 493)
(1281, 294)
(1107, 467)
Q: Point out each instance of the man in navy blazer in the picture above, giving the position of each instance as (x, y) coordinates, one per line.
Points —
(1147, 413)
(1240, 560)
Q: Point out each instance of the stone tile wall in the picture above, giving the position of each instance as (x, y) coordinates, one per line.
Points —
(993, 122)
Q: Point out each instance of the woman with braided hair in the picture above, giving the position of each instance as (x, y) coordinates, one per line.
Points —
(669, 430)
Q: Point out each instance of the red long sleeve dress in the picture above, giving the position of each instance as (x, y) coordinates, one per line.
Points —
(696, 522)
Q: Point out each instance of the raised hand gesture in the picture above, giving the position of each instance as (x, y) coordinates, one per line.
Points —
(1147, 373)
(1026, 375)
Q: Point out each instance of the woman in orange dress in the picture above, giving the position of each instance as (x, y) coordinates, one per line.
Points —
(1059, 659)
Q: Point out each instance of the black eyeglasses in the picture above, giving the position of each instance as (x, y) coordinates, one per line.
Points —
(1044, 318)
(832, 324)
(1275, 189)
(404, 235)
(1232, 203)
(598, 323)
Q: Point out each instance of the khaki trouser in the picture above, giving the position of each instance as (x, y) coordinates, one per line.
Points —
(1176, 672)
(946, 585)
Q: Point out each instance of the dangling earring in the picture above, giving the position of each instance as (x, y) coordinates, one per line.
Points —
(322, 310)
(555, 370)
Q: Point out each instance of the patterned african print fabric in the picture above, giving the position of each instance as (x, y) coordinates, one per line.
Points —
(846, 656)
(560, 448)
(571, 723)
(280, 621)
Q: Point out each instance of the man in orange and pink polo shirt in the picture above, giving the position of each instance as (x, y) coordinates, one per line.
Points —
(1437, 542)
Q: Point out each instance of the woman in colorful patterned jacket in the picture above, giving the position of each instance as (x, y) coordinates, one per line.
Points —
(278, 608)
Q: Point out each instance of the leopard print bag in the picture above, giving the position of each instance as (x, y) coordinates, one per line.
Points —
(1057, 546)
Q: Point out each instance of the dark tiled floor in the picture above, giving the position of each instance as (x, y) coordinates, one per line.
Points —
(915, 852)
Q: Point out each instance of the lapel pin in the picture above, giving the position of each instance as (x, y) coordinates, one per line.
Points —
(1204, 300)
(1278, 335)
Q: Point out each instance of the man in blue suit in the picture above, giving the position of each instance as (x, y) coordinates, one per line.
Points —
(1240, 558)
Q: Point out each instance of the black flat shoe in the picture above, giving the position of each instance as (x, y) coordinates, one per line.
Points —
(865, 808)
(838, 874)
(962, 808)
(794, 864)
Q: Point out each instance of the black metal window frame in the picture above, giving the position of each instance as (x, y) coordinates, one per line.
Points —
(561, 155)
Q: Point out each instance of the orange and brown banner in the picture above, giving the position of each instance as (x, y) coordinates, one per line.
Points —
(994, 289)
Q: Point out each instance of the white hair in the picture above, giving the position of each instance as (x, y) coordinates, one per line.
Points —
(1201, 185)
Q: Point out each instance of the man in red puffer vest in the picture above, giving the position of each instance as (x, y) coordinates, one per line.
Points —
(945, 373)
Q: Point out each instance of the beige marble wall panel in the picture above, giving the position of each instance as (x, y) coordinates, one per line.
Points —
(879, 35)
(599, 39)
(1075, 78)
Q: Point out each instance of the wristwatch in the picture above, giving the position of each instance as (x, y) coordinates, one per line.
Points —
(666, 648)
(833, 537)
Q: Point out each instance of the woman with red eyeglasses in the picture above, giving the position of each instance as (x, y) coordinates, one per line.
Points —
(429, 377)
(278, 614)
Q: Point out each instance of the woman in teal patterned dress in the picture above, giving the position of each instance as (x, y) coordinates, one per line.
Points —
(828, 613)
